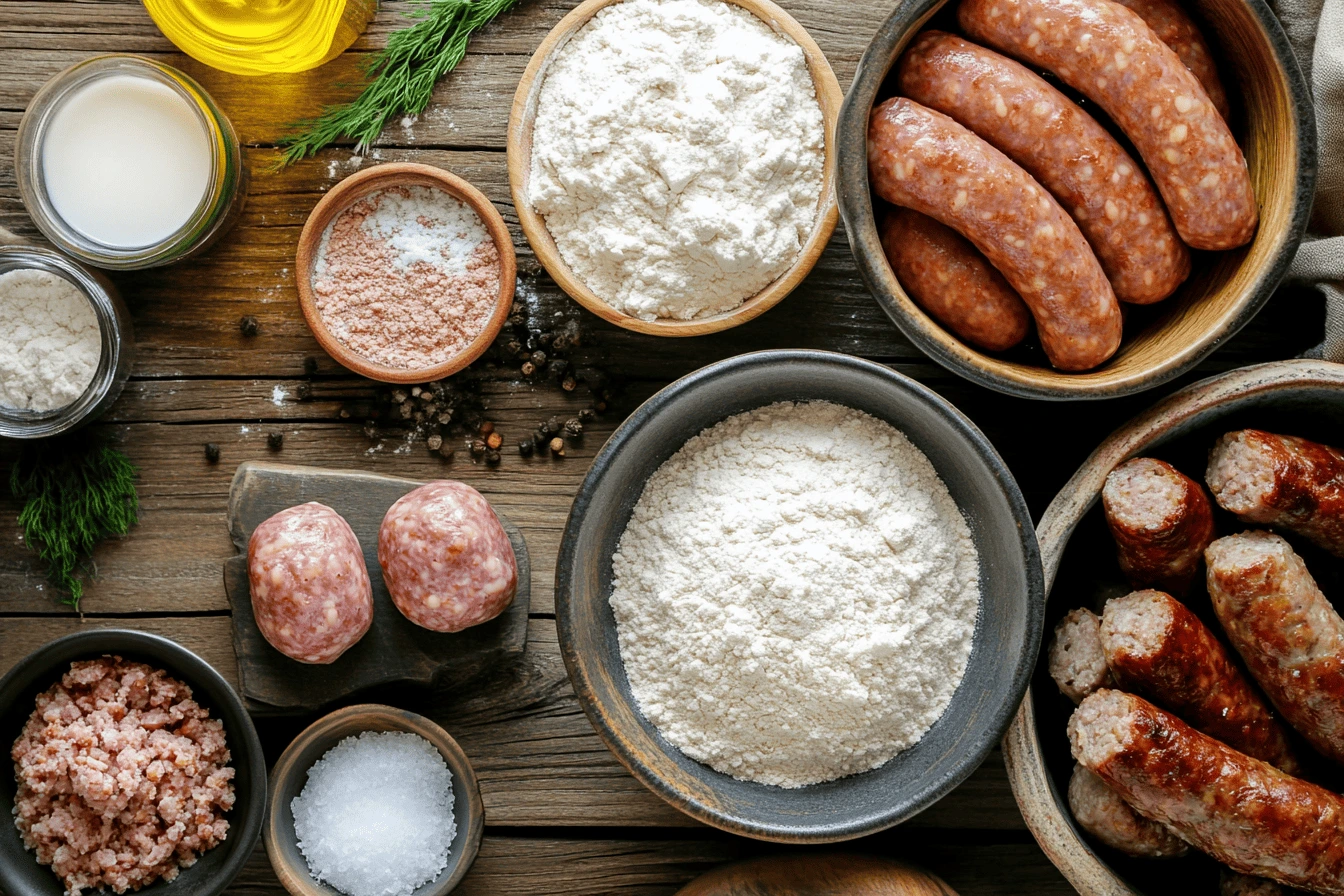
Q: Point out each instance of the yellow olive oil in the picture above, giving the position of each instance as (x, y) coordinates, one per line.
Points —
(256, 37)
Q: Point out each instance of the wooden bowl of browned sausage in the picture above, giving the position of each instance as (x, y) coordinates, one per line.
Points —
(1173, 724)
(1119, 194)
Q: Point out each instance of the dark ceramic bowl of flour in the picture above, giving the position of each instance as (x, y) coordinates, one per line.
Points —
(1007, 630)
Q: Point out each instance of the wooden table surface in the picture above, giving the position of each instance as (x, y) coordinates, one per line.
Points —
(562, 814)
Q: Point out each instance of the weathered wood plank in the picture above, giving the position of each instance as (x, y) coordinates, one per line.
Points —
(538, 759)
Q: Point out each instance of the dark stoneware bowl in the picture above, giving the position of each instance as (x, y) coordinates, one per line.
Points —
(1272, 119)
(20, 874)
(1007, 634)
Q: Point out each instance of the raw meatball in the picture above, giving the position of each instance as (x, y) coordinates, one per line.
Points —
(310, 589)
(446, 559)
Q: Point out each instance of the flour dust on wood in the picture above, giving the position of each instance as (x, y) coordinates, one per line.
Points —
(795, 595)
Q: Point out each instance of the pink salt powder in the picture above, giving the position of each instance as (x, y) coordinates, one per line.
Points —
(407, 277)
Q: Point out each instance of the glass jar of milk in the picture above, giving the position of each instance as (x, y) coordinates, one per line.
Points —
(126, 163)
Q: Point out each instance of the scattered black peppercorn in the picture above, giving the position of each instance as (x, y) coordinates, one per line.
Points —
(211, 452)
(552, 426)
(539, 358)
(486, 428)
(446, 451)
(434, 442)
(494, 441)
(493, 458)
(557, 447)
(275, 440)
(310, 365)
(569, 384)
(587, 415)
(527, 447)
(477, 447)
(542, 441)
(249, 325)
(528, 368)
(573, 428)
(304, 392)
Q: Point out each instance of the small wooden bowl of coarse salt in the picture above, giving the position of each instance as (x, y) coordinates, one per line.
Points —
(405, 273)
(371, 800)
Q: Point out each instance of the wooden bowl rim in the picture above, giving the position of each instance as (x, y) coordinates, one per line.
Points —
(349, 720)
(1033, 787)
(519, 146)
(1025, 380)
(582, 669)
(356, 187)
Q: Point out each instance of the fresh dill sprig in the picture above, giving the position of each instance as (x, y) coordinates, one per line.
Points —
(76, 492)
(401, 76)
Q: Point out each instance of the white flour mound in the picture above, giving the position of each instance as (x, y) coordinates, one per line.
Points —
(795, 595)
(677, 156)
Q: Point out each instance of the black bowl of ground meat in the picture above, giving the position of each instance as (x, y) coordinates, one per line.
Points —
(145, 757)
(1222, 754)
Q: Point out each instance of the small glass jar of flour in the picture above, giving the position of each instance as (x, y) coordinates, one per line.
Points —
(65, 343)
(125, 163)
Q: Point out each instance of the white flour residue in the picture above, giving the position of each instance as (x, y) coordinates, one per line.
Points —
(795, 595)
(677, 156)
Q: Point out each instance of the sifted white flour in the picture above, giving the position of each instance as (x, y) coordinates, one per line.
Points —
(50, 342)
(677, 156)
(795, 595)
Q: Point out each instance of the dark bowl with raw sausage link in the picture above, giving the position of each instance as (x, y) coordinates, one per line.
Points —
(1079, 554)
(215, 869)
(1271, 119)
(1007, 631)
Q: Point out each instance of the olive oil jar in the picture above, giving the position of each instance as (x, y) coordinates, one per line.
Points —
(257, 37)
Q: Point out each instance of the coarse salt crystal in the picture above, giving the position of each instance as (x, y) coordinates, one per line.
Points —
(375, 817)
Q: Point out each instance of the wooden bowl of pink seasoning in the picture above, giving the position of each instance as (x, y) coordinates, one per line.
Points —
(405, 273)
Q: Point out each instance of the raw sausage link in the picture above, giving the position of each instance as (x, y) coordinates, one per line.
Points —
(1161, 521)
(1285, 629)
(1230, 883)
(1108, 54)
(1158, 649)
(953, 282)
(921, 159)
(1281, 481)
(1177, 30)
(446, 558)
(311, 596)
(1076, 659)
(1243, 812)
(1060, 145)
(1105, 815)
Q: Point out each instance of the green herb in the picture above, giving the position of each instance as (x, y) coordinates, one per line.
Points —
(401, 76)
(76, 492)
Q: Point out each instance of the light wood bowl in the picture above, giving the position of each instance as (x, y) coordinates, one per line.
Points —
(291, 773)
(1302, 397)
(371, 180)
(519, 141)
(1276, 128)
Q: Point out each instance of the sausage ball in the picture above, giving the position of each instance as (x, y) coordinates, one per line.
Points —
(446, 559)
(310, 588)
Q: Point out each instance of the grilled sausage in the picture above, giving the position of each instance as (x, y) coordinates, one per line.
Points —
(1104, 815)
(953, 282)
(1242, 811)
(1108, 54)
(1177, 30)
(1281, 481)
(921, 159)
(1284, 628)
(1161, 521)
(1060, 145)
(1230, 883)
(1076, 658)
(1158, 649)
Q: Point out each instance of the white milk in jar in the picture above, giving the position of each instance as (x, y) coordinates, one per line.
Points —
(126, 160)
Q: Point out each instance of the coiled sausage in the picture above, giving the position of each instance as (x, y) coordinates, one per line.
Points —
(921, 159)
(1107, 53)
(1060, 145)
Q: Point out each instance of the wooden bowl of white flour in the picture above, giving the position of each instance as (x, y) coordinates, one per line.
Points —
(799, 596)
(672, 162)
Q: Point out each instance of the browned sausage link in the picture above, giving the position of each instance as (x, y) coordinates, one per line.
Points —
(1161, 521)
(1060, 145)
(1281, 481)
(953, 282)
(1104, 815)
(921, 159)
(1177, 30)
(1285, 629)
(1231, 883)
(1108, 54)
(1240, 810)
(1160, 650)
